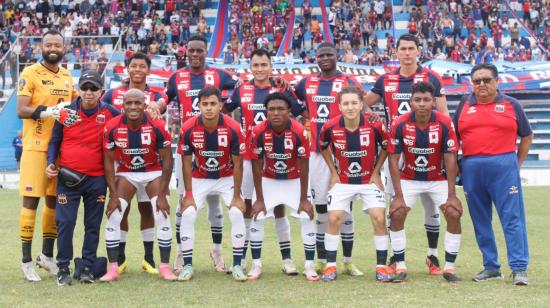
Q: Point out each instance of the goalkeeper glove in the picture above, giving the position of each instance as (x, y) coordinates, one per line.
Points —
(59, 112)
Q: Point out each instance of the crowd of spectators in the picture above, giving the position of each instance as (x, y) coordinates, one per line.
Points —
(466, 31)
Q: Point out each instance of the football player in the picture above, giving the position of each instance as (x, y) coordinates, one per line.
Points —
(354, 150)
(139, 144)
(425, 139)
(217, 143)
(279, 150)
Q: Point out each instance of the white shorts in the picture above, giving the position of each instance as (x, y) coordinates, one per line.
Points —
(436, 191)
(140, 180)
(342, 195)
(206, 187)
(388, 185)
(247, 187)
(278, 192)
(179, 174)
(319, 177)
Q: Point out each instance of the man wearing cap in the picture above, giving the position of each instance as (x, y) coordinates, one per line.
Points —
(80, 178)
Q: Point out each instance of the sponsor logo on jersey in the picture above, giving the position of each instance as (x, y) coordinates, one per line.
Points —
(390, 88)
(256, 107)
(211, 153)
(58, 92)
(500, 108)
(120, 144)
(135, 151)
(401, 96)
(423, 151)
(324, 99)
(62, 199)
(279, 156)
(192, 93)
(351, 154)
(47, 83)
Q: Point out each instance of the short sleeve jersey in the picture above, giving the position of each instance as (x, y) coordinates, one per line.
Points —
(396, 90)
(355, 152)
(136, 150)
(115, 96)
(320, 97)
(279, 151)
(45, 88)
(184, 86)
(213, 150)
(423, 147)
(250, 99)
(491, 129)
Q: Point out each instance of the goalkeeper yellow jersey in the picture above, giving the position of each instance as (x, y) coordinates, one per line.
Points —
(46, 88)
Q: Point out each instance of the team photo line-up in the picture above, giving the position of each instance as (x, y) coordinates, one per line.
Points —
(314, 147)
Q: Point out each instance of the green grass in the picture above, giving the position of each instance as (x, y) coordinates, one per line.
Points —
(137, 289)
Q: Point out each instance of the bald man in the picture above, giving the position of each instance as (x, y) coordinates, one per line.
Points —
(139, 144)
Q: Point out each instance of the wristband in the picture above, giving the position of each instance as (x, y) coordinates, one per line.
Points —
(188, 194)
(36, 113)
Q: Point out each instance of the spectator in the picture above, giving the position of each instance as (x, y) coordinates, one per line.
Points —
(17, 144)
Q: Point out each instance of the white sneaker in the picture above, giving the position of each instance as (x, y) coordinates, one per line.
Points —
(178, 264)
(217, 259)
(255, 272)
(29, 272)
(311, 273)
(289, 267)
(47, 264)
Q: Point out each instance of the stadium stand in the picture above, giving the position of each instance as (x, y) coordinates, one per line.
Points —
(101, 35)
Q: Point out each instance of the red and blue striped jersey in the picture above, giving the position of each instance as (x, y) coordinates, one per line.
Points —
(280, 151)
(490, 129)
(136, 150)
(396, 90)
(320, 98)
(423, 147)
(250, 99)
(184, 86)
(115, 96)
(212, 149)
(355, 152)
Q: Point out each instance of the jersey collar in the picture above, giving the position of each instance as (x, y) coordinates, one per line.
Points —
(342, 121)
(287, 126)
(220, 120)
(338, 74)
(412, 116)
(418, 70)
(472, 100)
(143, 119)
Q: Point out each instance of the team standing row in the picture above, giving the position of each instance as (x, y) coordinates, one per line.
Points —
(338, 155)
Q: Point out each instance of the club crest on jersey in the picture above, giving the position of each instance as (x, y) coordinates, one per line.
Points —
(499, 108)
(62, 199)
(100, 118)
(434, 137)
(288, 144)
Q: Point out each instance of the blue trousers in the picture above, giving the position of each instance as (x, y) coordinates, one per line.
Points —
(92, 191)
(495, 179)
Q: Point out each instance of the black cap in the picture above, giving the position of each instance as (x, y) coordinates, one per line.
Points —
(92, 77)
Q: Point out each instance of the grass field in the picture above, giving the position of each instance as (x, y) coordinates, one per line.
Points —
(137, 289)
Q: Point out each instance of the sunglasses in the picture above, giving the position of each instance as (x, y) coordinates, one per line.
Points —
(86, 88)
(485, 80)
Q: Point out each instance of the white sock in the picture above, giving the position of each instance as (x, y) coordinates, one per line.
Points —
(123, 234)
(187, 231)
(256, 238)
(308, 238)
(247, 222)
(452, 246)
(331, 244)
(381, 242)
(164, 230)
(148, 234)
(215, 217)
(399, 243)
(237, 227)
(282, 228)
(178, 223)
(112, 229)
(322, 220)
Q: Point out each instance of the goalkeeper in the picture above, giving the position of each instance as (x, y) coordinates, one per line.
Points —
(43, 92)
